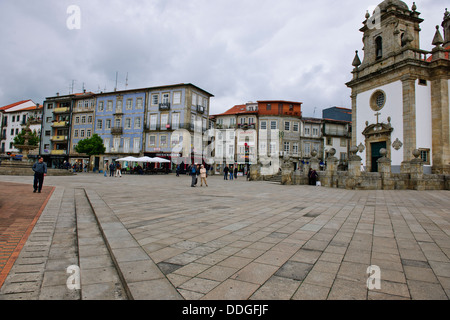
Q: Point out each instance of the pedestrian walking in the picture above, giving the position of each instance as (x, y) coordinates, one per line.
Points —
(112, 167)
(40, 170)
(197, 173)
(118, 170)
(203, 176)
(235, 172)
(231, 173)
(105, 168)
(193, 173)
(225, 173)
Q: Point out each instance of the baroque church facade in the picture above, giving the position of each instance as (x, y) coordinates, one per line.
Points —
(400, 93)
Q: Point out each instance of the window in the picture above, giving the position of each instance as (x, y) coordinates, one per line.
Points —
(329, 141)
(286, 146)
(175, 121)
(89, 119)
(139, 103)
(136, 145)
(47, 133)
(152, 140)
(83, 119)
(425, 155)
(315, 132)
(108, 124)
(117, 123)
(100, 105)
(343, 142)
(378, 47)
(163, 140)
(137, 123)
(155, 99)
(295, 126)
(109, 105)
(75, 133)
(50, 106)
(307, 131)
(164, 121)
(177, 97)
(88, 133)
(273, 125)
(194, 99)
(287, 126)
(119, 104)
(263, 125)
(307, 149)
(77, 120)
(377, 100)
(165, 98)
(295, 148)
(49, 119)
(86, 104)
(80, 104)
(99, 124)
(153, 121)
(129, 104)
(268, 107)
(128, 123)
(82, 133)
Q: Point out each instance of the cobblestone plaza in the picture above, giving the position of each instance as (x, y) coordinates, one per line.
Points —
(155, 237)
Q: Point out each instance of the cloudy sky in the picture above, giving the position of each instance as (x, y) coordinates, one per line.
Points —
(238, 50)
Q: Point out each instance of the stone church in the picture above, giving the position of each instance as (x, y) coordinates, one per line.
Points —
(400, 93)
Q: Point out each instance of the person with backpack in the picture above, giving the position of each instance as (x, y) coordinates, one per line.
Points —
(193, 173)
(112, 168)
(118, 170)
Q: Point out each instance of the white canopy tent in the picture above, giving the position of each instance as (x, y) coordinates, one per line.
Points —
(130, 158)
(160, 160)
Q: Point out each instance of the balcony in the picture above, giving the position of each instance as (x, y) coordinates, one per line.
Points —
(60, 124)
(59, 138)
(200, 109)
(116, 130)
(165, 106)
(58, 152)
(61, 110)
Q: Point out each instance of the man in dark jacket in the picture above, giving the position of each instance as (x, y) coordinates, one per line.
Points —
(40, 169)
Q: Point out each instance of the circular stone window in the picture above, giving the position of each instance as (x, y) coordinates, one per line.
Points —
(377, 100)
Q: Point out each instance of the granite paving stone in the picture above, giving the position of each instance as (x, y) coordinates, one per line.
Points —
(236, 240)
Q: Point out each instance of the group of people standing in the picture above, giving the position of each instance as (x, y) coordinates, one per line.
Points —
(198, 170)
(114, 168)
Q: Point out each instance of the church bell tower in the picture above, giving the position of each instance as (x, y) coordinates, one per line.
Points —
(400, 92)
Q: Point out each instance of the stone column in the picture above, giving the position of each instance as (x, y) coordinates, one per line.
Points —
(287, 171)
(332, 163)
(255, 172)
(354, 169)
(409, 116)
(384, 167)
(314, 162)
(416, 172)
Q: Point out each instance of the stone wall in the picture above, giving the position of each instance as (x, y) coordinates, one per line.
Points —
(356, 179)
(24, 169)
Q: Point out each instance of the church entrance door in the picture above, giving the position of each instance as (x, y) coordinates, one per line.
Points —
(376, 146)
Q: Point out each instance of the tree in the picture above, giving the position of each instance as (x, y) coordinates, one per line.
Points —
(91, 146)
(33, 139)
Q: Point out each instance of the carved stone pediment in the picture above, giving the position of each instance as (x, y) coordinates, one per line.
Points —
(377, 129)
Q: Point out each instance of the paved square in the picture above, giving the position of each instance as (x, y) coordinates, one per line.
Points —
(251, 240)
